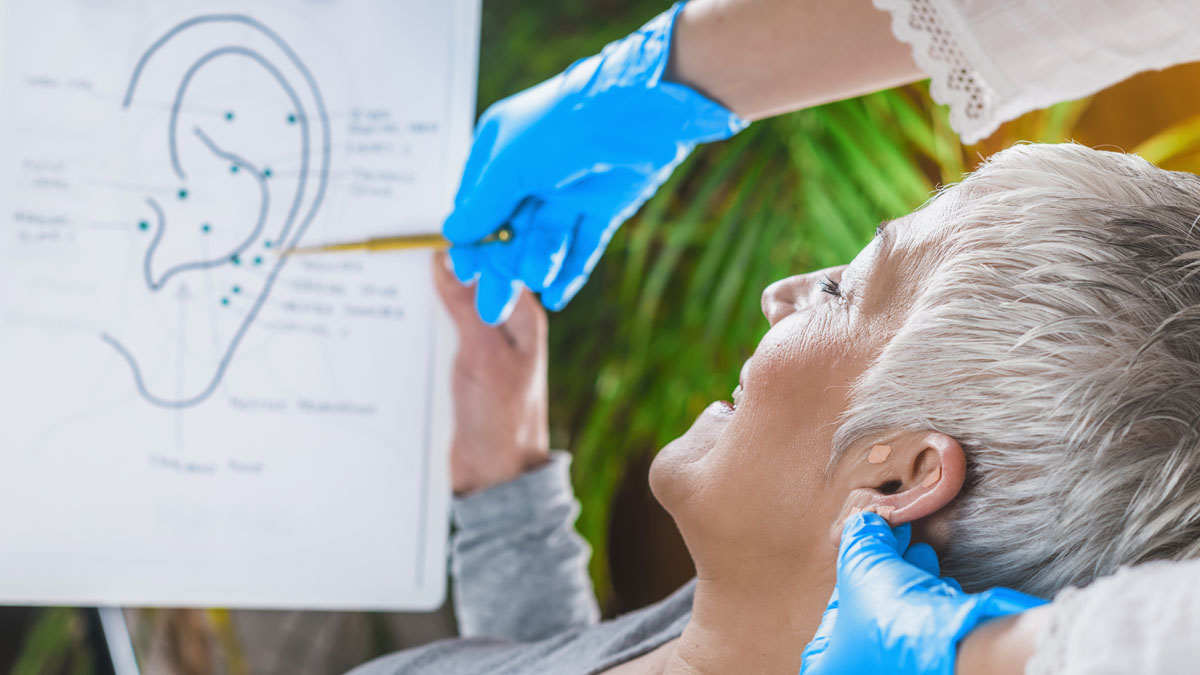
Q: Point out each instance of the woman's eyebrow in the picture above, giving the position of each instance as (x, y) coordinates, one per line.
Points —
(885, 238)
(881, 231)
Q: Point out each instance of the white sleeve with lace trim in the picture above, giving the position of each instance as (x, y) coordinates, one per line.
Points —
(994, 60)
(1142, 619)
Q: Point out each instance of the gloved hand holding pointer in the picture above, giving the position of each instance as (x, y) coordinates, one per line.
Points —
(567, 161)
(891, 613)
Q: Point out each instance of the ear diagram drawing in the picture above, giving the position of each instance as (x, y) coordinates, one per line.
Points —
(247, 125)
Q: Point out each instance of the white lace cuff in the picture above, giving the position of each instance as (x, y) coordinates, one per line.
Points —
(955, 80)
(993, 61)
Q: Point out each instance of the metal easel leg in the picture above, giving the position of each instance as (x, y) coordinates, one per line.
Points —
(116, 638)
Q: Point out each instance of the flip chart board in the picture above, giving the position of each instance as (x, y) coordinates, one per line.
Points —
(186, 416)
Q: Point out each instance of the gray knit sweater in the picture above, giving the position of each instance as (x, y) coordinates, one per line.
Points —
(522, 594)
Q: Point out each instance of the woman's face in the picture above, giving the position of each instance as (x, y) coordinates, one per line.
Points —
(749, 481)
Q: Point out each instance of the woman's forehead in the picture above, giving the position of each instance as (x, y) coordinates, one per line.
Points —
(914, 236)
(930, 220)
(895, 261)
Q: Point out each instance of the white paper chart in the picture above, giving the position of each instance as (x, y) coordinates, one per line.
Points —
(188, 417)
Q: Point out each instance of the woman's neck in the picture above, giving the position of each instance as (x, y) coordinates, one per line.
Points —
(757, 621)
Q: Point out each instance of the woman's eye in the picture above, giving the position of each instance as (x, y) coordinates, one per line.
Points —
(831, 287)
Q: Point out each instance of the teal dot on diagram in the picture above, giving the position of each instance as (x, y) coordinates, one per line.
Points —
(237, 289)
(183, 193)
(224, 301)
(267, 244)
(235, 259)
(233, 169)
(206, 228)
(229, 115)
(258, 260)
(143, 226)
(292, 118)
(267, 172)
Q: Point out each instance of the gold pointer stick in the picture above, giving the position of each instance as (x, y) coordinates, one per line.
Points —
(407, 241)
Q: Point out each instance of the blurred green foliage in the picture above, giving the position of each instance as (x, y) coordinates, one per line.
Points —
(55, 644)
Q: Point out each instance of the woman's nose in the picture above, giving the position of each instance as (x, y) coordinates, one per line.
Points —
(786, 296)
(780, 298)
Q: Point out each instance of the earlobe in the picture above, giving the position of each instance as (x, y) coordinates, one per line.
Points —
(918, 475)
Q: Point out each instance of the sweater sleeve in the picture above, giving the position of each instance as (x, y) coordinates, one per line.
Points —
(1143, 619)
(993, 61)
(519, 569)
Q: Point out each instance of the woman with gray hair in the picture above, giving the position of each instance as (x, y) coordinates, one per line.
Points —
(1054, 331)
(1010, 369)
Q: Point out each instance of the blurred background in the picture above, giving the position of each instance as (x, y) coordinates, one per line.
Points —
(661, 330)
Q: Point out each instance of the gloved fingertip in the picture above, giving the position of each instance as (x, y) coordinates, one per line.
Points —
(495, 297)
(542, 258)
(867, 535)
(560, 294)
(863, 523)
(903, 534)
(923, 556)
(464, 261)
(953, 583)
(456, 223)
(479, 214)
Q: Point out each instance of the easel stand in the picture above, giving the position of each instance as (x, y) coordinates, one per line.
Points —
(111, 635)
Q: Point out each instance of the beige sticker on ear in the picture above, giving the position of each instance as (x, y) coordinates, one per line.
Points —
(932, 478)
(879, 454)
(885, 512)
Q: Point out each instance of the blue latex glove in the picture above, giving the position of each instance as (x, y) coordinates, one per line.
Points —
(890, 613)
(567, 161)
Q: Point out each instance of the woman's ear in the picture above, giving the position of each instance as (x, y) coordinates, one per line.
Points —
(904, 478)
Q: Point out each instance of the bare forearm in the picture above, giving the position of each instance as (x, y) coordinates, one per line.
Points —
(1001, 646)
(761, 58)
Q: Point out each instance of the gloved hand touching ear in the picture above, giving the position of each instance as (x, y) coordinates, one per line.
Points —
(565, 162)
(891, 613)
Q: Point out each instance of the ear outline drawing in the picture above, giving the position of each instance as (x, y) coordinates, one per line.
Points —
(291, 232)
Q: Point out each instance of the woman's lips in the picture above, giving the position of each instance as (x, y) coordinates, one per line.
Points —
(719, 408)
(740, 388)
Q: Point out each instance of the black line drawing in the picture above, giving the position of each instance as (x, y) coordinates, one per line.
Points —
(290, 226)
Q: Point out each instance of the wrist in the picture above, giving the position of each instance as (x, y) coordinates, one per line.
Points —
(699, 59)
(535, 459)
(685, 62)
(635, 69)
(1000, 646)
(531, 498)
(473, 472)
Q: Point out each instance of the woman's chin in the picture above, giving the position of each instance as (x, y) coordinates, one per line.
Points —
(672, 474)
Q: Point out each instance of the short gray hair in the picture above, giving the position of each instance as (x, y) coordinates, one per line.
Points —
(1058, 339)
